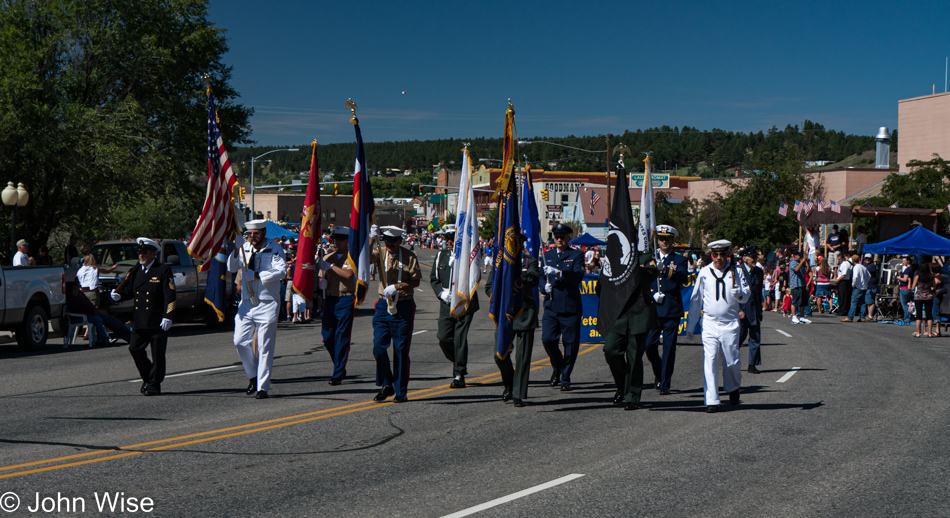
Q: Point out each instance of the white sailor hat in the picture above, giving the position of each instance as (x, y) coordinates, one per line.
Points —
(256, 224)
(341, 231)
(146, 242)
(391, 232)
(666, 230)
(722, 245)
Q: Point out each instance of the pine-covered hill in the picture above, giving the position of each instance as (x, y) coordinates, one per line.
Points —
(688, 150)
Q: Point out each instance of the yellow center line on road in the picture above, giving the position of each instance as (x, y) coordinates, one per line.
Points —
(233, 431)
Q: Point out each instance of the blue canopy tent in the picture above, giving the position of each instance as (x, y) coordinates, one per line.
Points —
(275, 231)
(918, 241)
(586, 239)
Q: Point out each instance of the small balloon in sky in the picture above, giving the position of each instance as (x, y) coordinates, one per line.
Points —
(404, 92)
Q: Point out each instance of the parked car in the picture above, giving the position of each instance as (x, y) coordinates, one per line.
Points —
(190, 282)
(30, 296)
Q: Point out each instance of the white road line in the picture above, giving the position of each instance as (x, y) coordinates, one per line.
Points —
(779, 331)
(420, 290)
(513, 496)
(788, 375)
(419, 332)
(194, 372)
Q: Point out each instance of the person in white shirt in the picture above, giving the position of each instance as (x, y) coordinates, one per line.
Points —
(860, 281)
(844, 285)
(88, 277)
(262, 265)
(811, 245)
(22, 258)
(720, 289)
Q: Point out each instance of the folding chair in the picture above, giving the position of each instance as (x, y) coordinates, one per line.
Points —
(77, 321)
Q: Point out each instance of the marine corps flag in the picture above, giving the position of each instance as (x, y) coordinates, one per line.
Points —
(305, 269)
(620, 275)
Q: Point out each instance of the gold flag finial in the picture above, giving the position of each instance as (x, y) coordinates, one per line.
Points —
(207, 80)
(350, 105)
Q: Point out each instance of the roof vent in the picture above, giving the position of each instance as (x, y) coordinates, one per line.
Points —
(882, 157)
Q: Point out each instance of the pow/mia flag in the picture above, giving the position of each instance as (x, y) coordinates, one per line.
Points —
(619, 280)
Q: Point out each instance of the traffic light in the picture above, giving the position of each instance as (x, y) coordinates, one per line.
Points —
(241, 192)
(420, 190)
(544, 194)
(336, 189)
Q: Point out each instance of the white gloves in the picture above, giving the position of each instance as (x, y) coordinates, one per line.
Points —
(324, 266)
(548, 287)
(659, 297)
(238, 241)
(166, 324)
(446, 296)
(451, 260)
(373, 231)
(389, 291)
(735, 292)
(322, 284)
(115, 296)
(550, 270)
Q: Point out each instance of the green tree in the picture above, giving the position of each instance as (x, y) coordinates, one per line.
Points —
(923, 187)
(104, 113)
(487, 228)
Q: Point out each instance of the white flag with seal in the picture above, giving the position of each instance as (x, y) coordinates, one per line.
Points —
(647, 216)
(466, 270)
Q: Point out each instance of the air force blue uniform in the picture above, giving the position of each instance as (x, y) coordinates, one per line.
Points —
(562, 311)
(672, 277)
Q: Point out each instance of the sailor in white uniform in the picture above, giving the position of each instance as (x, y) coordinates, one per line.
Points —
(720, 289)
(263, 267)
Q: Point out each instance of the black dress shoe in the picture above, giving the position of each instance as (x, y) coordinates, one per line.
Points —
(565, 387)
(251, 387)
(753, 370)
(401, 399)
(518, 403)
(506, 395)
(656, 383)
(555, 379)
(113, 341)
(631, 406)
(144, 387)
(153, 391)
(384, 393)
(261, 394)
(458, 382)
(734, 397)
(712, 409)
(335, 381)
(618, 397)
(664, 392)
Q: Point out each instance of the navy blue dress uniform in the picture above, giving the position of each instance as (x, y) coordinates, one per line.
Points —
(339, 308)
(515, 377)
(152, 288)
(624, 344)
(453, 332)
(395, 316)
(750, 321)
(562, 308)
(673, 275)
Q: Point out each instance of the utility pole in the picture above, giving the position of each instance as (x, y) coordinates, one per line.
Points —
(608, 176)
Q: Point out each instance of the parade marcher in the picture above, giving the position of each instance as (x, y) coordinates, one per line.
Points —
(395, 313)
(750, 312)
(563, 274)
(514, 377)
(151, 286)
(262, 265)
(339, 309)
(453, 332)
(673, 275)
(720, 289)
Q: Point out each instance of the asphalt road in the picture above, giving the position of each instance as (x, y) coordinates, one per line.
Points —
(859, 429)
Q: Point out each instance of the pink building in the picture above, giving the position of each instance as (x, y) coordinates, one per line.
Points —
(924, 124)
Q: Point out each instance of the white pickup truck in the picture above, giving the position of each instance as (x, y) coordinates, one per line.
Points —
(29, 297)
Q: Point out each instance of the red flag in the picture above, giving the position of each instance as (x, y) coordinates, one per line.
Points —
(305, 268)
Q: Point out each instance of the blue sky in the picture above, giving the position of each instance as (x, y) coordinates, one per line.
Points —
(576, 68)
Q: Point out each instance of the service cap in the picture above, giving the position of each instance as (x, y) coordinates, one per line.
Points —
(666, 230)
(391, 232)
(562, 230)
(722, 245)
(448, 229)
(340, 231)
(146, 243)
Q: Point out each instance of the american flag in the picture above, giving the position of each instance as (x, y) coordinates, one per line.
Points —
(835, 207)
(217, 216)
(821, 206)
(594, 198)
(783, 209)
(808, 207)
(798, 207)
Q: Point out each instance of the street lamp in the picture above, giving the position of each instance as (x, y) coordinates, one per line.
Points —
(252, 172)
(14, 197)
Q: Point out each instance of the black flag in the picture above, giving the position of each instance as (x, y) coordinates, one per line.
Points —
(619, 280)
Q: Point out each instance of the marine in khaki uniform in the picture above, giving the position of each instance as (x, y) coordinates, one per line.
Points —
(153, 289)
(338, 311)
(453, 332)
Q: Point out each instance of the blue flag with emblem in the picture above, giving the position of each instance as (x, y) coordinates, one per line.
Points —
(216, 291)
(507, 300)
(530, 225)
